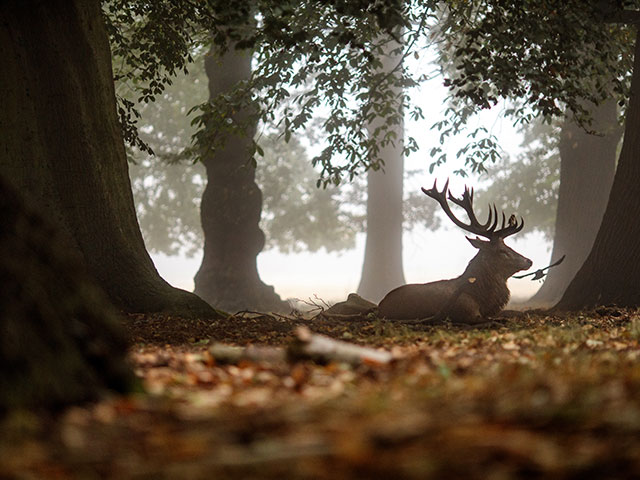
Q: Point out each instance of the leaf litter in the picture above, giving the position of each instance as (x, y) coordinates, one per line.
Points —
(538, 396)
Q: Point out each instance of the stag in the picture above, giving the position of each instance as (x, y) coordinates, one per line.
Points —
(481, 291)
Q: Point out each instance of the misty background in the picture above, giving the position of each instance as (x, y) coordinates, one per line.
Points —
(327, 273)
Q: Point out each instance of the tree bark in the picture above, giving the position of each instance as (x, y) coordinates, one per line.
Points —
(611, 272)
(60, 341)
(382, 269)
(231, 208)
(62, 145)
(587, 168)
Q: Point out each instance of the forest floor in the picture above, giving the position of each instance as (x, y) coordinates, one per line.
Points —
(540, 396)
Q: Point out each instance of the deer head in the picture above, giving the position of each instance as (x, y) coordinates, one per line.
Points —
(493, 254)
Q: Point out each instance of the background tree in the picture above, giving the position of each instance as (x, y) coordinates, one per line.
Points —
(610, 272)
(563, 87)
(296, 215)
(167, 187)
(588, 164)
(382, 270)
(232, 203)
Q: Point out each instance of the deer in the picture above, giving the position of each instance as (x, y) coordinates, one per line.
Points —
(481, 291)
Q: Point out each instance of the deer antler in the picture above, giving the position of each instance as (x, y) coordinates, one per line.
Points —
(487, 229)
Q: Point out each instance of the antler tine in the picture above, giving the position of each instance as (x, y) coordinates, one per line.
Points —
(492, 218)
(466, 202)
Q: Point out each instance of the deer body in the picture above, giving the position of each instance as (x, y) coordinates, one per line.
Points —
(481, 291)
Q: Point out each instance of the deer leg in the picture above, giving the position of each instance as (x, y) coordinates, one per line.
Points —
(489, 324)
(463, 308)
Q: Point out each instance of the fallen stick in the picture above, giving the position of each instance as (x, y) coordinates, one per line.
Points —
(323, 349)
(304, 346)
(231, 354)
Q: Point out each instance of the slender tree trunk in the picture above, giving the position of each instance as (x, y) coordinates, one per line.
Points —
(62, 145)
(382, 269)
(611, 272)
(231, 208)
(588, 164)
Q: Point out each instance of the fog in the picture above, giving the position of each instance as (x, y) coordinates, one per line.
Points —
(427, 255)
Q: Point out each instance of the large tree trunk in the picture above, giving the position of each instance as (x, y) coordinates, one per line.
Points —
(231, 208)
(62, 145)
(588, 164)
(611, 272)
(382, 268)
(60, 340)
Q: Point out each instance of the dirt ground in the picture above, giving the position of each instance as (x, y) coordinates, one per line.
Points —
(536, 396)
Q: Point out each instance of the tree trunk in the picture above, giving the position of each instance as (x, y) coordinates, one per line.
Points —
(588, 164)
(60, 340)
(611, 272)
(62, 144)
(382, 270)
(231, 208)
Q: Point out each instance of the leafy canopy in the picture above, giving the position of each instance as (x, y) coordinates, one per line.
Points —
(310, 58)
(317, 59)
(549, 58)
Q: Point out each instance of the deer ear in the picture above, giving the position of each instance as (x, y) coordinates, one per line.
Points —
(476, 242)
